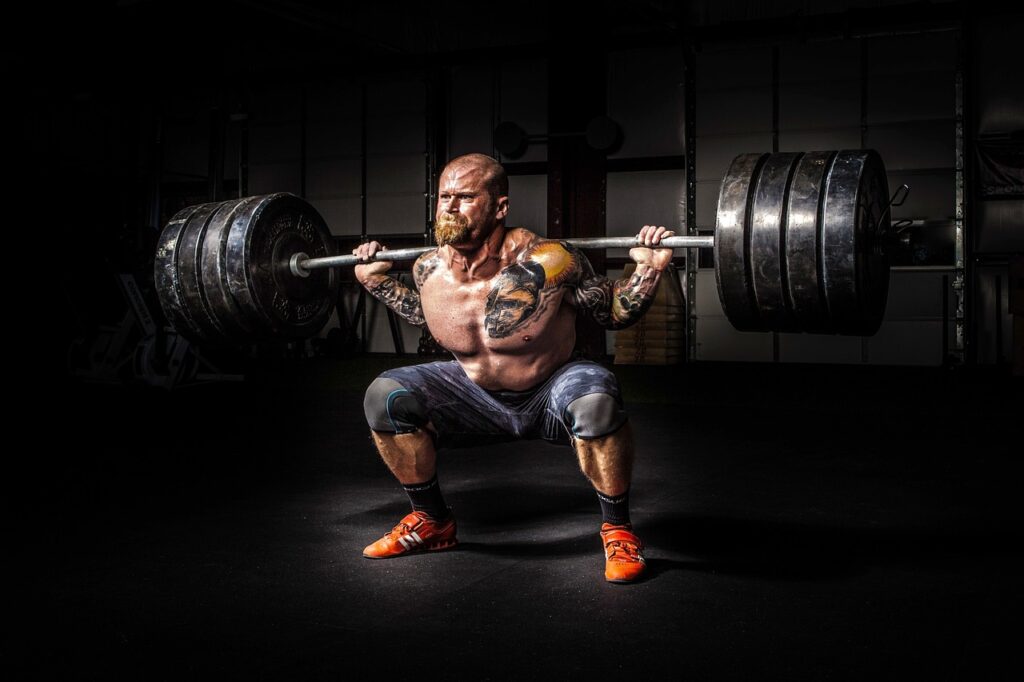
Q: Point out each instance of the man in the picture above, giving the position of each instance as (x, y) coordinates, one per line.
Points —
(504, 302)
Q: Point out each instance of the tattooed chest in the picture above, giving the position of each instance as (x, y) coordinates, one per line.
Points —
(519, 300)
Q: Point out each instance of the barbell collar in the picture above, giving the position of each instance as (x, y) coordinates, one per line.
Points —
(300, 265)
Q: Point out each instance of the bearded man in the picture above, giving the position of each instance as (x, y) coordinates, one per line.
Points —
(504, 302)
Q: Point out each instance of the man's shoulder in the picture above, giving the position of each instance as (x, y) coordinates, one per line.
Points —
(562, 263)
(424, 265)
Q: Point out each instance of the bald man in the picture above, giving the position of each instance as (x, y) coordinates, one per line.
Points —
(504, 302)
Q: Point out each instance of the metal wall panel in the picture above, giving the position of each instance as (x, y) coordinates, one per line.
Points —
(528, 203)
(276, 104)
(395, 214)
(331, 139)
(733, 68)
(186, 146)
(275, 177)
(388, 175)
(925, 95)
(524, 101)
(343, 216)
(739, 111)
(333, 178)
(396, 95)
(396, 173)
(399, 133)
(999, 80)
(471, 111)
(1000, 226)
(923, 144)
(820, 62)
(645, 97)
(827, 104)
(819, 140)
(912, 54)
(275, 142)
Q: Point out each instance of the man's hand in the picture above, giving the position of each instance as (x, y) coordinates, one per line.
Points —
(651, 235)
(366, 252)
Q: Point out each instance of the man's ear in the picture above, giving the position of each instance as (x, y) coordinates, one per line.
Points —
(502, 210)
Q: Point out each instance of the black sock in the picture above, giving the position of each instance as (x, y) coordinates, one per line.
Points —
(426, 497)
(614, 510)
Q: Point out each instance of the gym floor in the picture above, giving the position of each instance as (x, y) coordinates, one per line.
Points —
(802, 522)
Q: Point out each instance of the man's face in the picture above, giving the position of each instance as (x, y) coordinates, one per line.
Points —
(467, 212)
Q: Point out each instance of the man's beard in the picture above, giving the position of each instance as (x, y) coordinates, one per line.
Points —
(451, 228)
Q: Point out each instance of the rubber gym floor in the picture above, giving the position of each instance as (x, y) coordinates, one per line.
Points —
(801, 522)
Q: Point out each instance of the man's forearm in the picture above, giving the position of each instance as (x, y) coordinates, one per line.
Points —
(397, 296)
(620, 303)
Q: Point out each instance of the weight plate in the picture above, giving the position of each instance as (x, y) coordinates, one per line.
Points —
(217, 294)
(731, 251)
(767, 246)
(189, 284)
(263, 236)
(803, 233)
(166, 278)
(854, 263)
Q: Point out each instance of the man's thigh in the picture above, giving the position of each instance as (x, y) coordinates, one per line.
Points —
(460, 412)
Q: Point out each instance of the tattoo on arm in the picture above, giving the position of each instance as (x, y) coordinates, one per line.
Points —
(425, 265)
(398, 297)
(618, 304)
(526, 289)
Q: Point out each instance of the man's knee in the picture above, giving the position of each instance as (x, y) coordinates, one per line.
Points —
(594, 415)
(391, 408)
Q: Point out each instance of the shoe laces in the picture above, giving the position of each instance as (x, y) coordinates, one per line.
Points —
(622, 550)
(401, 529)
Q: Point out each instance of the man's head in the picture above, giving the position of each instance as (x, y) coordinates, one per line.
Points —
(472, 201)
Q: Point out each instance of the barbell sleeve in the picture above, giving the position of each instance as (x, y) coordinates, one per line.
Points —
(300, 264)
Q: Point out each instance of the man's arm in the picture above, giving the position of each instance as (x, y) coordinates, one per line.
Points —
(388, 290)
(618, 304)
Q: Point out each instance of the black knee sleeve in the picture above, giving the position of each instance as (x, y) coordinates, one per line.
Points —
(594, 415)
(391, 408)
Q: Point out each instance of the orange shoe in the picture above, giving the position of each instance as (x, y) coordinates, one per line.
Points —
(624, 561)
(417, 532)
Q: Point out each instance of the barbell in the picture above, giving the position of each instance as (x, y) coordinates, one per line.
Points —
(800, 245)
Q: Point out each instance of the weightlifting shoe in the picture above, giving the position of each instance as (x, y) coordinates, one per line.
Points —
(417, 532)
(624, 560)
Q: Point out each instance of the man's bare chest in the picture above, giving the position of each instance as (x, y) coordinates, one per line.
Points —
(521, 297)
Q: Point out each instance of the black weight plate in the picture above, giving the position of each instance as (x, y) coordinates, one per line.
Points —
(872, 205)
(165, 275)
(731, 250)
(767, 246)
(855, 270)
(233, 319)
(190, 276)
(803, 234)
(262, 238)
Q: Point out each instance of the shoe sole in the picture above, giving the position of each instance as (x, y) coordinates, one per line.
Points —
(435, 547)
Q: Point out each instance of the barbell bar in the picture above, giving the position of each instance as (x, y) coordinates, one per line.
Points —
(300, 263)
(800, 245)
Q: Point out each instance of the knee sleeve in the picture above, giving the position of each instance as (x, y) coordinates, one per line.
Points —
(594, 415)
(391, 408)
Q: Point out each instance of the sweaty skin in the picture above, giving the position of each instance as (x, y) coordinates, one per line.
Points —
(504, 301)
